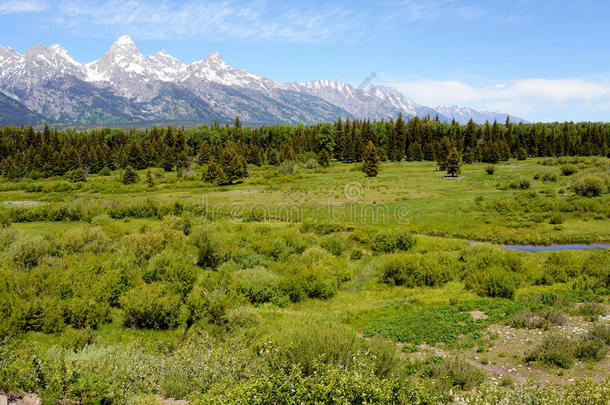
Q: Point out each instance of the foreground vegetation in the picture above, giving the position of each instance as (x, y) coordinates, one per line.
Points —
(308, 283)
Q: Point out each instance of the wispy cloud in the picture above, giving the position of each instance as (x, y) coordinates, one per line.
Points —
(207, 20)
(16, 6)
(312, 21)
(523, 96)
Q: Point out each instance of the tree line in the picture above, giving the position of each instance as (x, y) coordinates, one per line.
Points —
(227, 149)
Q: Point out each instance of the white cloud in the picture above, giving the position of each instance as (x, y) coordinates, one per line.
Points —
(528, 97)
(207, 20)
(312, 21)
(16, 6)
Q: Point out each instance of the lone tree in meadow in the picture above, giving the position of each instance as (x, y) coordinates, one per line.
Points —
(129, 176)
(324, 158)
(149, 179)
(453, 162)
(370, 161)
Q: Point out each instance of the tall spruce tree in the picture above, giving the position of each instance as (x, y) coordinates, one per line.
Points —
(453, 163)
(370, 161)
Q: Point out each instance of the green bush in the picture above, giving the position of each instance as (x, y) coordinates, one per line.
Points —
(150, 306)
(242, 317)
(334, 244)
(389, 242)
(556, 350)
(491, 169)
(210, 249)
(78, 175)
(569, 169)
(496, 283)
(413, 270)
(588, 186)
(27, 251)
(259, 285)
(548, 176)
(174, 268)
(454, 372)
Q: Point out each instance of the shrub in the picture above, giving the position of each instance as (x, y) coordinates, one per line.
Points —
(242, 317)
(413, 270)
(212, 303)
(311, 164)
(356, 254)
(591, 348)
(389, 242)
(556, 350)
(548, 176)
(588, 186)
(333, 244)
(556, 219)
(497, 284)
(105, 171)
(491, 169)
(287, 167)
(591, 309)
(27, 251)
(454, 372)
(569, 169)
(258, 284)
(78, 175)
(150, 306)
(524, 183)
(174, 268)
(210, 250)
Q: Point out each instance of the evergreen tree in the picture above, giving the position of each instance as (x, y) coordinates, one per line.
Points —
(233, 166)
(273, 157)
(149, 179)
(78, 175)
(370, 162)
(167, 159)
(453, 162)
(324, 158)
(444, 148)
(286, 152)
(129, 176)
(204, 153)
(469, 155)
(521, 153)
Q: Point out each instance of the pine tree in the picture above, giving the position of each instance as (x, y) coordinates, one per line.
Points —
(444, 148)
(167, 159)
(286, 152)
(214, 173)
(453, 163)
(273, 158)
(233, 166)
(370, 163)
(324, 158)
(149, 179)
(78, 175)
(521, 153)
(469, 155)
(129, 176)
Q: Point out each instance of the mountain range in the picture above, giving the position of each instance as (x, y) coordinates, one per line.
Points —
(124, 87)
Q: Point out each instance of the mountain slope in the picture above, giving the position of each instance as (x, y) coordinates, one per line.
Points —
(12, 112)
(125, 86)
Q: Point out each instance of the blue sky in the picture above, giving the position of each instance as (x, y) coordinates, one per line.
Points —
(543, 60)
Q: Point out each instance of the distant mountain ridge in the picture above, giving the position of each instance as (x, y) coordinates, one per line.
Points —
(125, 86)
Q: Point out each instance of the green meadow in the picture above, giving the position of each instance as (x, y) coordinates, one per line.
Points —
(319, 286)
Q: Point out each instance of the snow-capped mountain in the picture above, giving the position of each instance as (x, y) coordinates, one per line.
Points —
(126, 87)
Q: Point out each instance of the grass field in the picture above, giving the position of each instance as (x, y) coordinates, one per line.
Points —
(321, 285)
